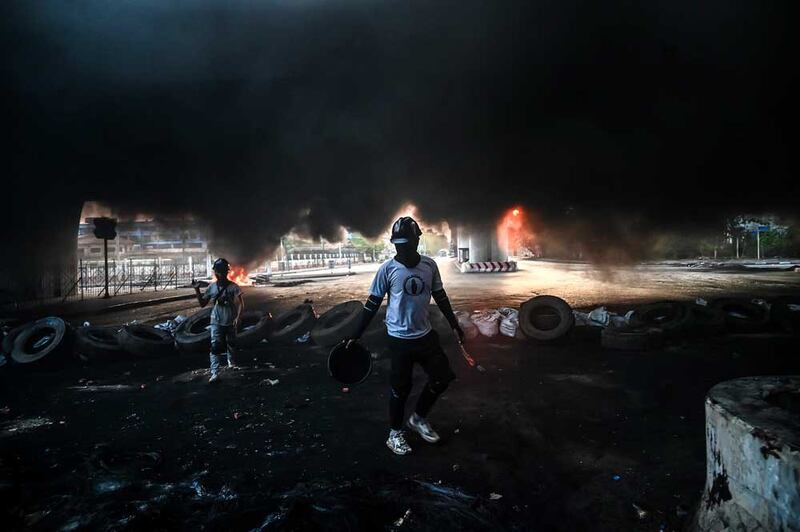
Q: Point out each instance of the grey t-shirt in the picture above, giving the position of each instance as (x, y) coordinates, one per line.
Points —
(224, 301)
(409, 292)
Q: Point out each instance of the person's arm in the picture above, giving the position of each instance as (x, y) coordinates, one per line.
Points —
(377, 291)
(443, 302)
(202, 299)
(239, 310)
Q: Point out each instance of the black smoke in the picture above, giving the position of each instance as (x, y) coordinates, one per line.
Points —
(609, 119)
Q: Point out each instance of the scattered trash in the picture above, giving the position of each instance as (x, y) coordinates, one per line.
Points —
(495, 496)
(601, 317)
(700, 301)
(481, 369)
(616, 477)
(456, 431)
(401, 520)
(793, 307)
(464, 321)
(345, 389)
(640, 512)
(456, 467)
(509, 323)
(236, 415)
(171, 325)
(270, 382)
(87, 324)
(303, 339)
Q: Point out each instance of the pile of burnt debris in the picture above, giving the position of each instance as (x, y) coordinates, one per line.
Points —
(542, 318)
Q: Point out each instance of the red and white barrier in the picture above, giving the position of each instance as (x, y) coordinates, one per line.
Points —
(488, 267)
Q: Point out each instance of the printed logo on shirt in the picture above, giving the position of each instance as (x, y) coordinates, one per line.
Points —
(414, 285)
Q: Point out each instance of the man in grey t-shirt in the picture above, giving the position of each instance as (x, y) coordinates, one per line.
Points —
(228, 305)
(410, 280)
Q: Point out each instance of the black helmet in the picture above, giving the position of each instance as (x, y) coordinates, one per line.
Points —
(404, 230)
(221, 266)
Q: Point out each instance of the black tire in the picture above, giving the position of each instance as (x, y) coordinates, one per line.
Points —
(705, 320)
(631, 338)
(97, 344)
(669, 316)
(546, 318)
(40, 341)
(742, 315)
(782, 316)
(339, 323)
(254, 326)
(193, 335)
(146, 341)
(8, 339)
(293, 324)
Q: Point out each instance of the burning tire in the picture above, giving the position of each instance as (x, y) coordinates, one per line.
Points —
(545, 318)
(339, 323)
(293, 324)
(254, 326)
(98, 343)
(146, 341)
(742, 315)
(631, 338)
(669, 316)
(785, 313)
(193, 334)
(46, 337)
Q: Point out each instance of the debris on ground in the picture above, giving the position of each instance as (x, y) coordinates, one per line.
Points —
(401, 520)
(601, 317)
(640, 512)
(171, 325)
(495, 496)
(303, 339)
(487, 322)
(269, 382)
(509, 322)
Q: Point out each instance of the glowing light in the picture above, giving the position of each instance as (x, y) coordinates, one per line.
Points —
(515, 212)
(239, 276)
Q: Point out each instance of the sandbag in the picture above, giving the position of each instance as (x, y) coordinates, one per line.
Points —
(509, 323)
(464, 321)
(487, 322)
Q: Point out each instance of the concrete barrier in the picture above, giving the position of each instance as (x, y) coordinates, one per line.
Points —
(488, 267)
(752, 456)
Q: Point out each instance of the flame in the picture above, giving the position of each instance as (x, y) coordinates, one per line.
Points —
(239, 276)
(514, 231)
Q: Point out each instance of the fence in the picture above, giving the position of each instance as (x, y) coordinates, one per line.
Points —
(56, 285)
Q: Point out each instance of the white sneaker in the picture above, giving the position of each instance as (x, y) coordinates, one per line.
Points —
(213, 378)
(397, 443)
(421, 426)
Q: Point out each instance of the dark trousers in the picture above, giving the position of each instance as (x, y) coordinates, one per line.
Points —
(426, 352)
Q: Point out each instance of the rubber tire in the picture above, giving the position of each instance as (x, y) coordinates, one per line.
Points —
(97, 344)
(54, 349)
(263, 325)
(194, 342)
(631, 338)
(757, 318)
(780, 315)
(704, 320)
(559, 309)
(293, 324)
(339, 323)
(676, 314)
(146, 341)
(8, 339)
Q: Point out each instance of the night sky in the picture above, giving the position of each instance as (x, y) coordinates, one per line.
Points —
(617, 117)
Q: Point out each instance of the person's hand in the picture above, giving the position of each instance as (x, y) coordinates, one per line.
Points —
(236, 324)
(460, 333)
(195, 284)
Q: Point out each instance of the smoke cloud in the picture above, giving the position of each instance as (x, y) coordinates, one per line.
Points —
(607, 122)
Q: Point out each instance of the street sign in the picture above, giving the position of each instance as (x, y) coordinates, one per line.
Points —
(105, 228)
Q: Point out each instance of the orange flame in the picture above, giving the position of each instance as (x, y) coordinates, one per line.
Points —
(239, 276)
(514, 231)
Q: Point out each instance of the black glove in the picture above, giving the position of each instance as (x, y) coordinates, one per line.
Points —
(460, 333)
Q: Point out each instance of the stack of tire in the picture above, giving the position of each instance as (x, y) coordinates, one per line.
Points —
(193, 335)
(44, 342)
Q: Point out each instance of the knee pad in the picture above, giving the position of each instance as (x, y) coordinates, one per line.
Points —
(218, 347)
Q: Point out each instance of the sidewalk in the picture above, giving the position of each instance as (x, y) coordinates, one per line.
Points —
(96, 305)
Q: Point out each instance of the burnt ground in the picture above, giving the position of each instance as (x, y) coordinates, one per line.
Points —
(571, 435)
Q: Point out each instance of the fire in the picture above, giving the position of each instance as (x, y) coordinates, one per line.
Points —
(239, 276)
(514, 233)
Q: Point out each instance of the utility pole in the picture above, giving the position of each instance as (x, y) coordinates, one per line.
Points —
(105, 228)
